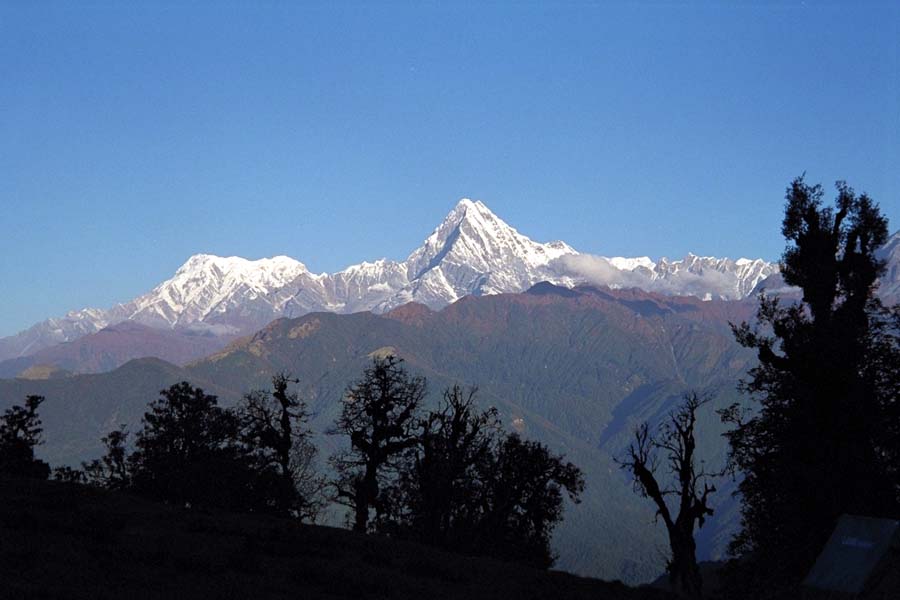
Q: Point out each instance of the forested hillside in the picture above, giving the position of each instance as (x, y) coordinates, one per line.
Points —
(576, 369)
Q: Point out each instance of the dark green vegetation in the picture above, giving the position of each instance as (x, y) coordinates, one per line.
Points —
(62, 540)
(20, 432)
(189, 451)
(574, 369)
(825, 437)
(378, 416)
(275, 426)
(450, 478)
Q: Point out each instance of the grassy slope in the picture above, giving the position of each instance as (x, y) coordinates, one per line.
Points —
(60, 540)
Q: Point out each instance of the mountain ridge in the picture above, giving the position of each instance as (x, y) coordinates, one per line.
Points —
(472, 252)
(575, 368)
(115, 345)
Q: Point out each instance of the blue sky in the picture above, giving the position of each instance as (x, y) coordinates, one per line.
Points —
(132, 136)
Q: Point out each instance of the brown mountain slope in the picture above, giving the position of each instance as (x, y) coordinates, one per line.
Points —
(574, 369)
(115, 345)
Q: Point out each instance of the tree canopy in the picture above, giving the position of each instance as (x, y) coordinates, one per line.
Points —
(275, 436)
(379, 416)
(20, 432)
(472, 488)
(188, 452)
(822, 438)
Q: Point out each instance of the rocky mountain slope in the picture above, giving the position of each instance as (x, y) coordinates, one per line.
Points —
(472, 252)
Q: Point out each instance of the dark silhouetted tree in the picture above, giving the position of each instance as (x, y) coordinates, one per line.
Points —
(823, 438)
(675, 440)
(467, 486)
(68, 474)
(274, 430)
(111, 471)
(522, 500)
(20, 432)
(440, 484)
(189, 452)
(379, 416)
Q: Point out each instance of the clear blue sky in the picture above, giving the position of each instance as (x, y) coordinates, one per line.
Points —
(134, 136)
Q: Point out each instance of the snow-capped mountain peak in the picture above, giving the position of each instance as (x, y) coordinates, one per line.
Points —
(471, 233)
(706, 277)
(471, 252)
(207, 283)
(259, 270)
(630, 264)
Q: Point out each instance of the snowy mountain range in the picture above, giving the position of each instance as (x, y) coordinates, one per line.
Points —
(472, 252)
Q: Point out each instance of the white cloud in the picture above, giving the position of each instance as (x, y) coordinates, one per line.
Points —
(701, 282)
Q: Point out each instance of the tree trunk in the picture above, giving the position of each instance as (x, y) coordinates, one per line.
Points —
(366, 493)
(684, 573)
(362, 508)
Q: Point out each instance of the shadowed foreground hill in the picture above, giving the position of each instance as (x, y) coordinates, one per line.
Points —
(61, 540)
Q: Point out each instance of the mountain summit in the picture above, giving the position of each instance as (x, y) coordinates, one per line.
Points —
(474, 252)
(471, 252)
(207, 286)
(474, 236)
